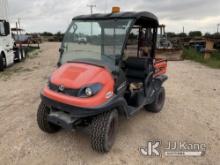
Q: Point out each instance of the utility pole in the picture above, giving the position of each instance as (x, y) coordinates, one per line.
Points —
(91, 8)
(218, 27)
(19, 25)
(106, 6)
(91, 11)
(4, 9)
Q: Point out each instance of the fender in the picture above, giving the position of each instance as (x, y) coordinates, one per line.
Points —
(162, 78)
(159, 80)
(9, 56)
(1, 50)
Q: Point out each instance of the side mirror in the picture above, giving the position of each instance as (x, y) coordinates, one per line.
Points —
(61, 50)
(7, 28)
(58, 64)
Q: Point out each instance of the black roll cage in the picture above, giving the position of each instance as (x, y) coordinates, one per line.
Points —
(141, 19)
(140, 27)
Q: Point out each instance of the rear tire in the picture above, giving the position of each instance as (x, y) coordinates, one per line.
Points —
(44, 125)
(18, 55)
(23, 54)
(103, 131)
(158, 103)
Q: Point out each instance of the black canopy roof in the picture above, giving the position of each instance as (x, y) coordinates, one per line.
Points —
(139, 16)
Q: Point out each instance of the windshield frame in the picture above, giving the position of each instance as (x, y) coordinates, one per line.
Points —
(120, 57)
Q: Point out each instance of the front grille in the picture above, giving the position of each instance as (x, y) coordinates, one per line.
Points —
(66, 91)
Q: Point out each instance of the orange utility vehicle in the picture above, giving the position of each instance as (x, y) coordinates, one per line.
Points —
(96, 82)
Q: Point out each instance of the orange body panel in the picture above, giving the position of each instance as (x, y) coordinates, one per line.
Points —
(77, 75)
(160, 67)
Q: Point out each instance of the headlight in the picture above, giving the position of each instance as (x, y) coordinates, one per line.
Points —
(90, 90)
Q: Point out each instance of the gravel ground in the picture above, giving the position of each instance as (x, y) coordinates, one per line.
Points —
(191, 114)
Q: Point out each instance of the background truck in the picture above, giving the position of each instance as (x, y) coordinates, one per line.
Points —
(9, 52)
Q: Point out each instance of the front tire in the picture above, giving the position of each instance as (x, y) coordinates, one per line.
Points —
(2, 67)
(158, 103)
(103, 131)
(44, 125)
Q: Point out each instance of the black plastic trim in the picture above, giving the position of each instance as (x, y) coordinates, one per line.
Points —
(162, 78)
(120, 15)
(80, 112)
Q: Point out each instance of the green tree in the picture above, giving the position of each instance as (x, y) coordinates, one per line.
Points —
(208, 35)
(171, 34)
(195, 34)
(216, 35)
(59, 36)
(182, 35)
(47, 34)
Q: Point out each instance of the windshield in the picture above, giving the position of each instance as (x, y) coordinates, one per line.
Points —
(2, 29)
(100, 40)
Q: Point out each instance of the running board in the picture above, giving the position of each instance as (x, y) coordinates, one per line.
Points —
(133, 110)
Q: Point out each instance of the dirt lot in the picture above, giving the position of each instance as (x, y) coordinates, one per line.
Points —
(191, 114)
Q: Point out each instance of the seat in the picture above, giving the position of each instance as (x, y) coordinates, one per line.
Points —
(137, 69)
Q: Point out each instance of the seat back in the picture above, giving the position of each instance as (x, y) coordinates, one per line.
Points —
(137, 68)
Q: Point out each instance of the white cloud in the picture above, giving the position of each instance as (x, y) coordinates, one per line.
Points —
(55, 15)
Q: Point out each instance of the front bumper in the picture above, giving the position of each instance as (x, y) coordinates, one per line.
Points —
(62, 119)
(80, 112)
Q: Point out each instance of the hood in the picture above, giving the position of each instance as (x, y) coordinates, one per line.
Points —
(76, 75)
